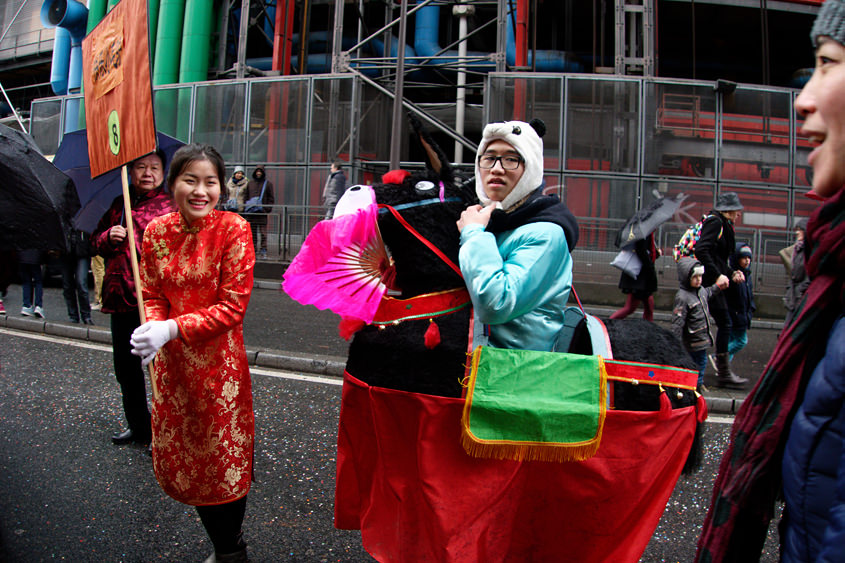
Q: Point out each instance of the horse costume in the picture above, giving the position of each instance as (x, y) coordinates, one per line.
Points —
(404, 474)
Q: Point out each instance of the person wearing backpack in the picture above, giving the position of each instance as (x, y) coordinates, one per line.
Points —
(259, 195)
(715, 244)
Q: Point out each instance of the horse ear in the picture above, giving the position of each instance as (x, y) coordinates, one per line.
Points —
(435, 157)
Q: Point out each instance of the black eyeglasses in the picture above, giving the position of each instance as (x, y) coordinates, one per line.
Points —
(508, 162)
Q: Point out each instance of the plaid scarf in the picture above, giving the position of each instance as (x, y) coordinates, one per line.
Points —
(750, 472)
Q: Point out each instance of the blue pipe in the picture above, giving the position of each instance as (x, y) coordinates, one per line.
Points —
(71, 16)
(547, 60)
(61, 60)
(427, 25)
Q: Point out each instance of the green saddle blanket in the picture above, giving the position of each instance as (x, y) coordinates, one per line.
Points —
(529, 405)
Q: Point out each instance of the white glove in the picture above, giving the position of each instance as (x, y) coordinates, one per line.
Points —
(150, 336)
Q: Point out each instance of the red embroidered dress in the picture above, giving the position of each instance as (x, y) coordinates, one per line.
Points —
(203, 423)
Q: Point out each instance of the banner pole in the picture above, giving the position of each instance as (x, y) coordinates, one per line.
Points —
(133, 254)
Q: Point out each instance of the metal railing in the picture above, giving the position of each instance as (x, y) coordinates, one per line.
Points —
(288, 225)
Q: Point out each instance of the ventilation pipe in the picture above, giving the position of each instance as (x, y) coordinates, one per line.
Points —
(96, 11)
(61, 61)
(541, 60)
(168, 42)
(72, 17)
(426, 31)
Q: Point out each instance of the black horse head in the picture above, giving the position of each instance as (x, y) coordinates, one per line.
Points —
(430, 201)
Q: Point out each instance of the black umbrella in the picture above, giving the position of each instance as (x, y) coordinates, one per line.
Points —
(37, 200)
(646, 220)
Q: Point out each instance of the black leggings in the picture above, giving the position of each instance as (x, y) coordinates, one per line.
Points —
(223, 523)
(719, 311)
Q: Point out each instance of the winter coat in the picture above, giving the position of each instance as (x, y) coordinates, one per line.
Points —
(740, 298)
(253, 189)
(335, 186)
(235, 190)
(31, 257)
(814, 463)
(79, 244)
(119, 282)
(798, 281)
(519, 278)
(690, 313)
(644, 284)
(713, 248)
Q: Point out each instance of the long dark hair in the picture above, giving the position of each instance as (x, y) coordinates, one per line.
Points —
(190, 153)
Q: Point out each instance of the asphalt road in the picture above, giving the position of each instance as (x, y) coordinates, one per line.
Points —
(66, 493)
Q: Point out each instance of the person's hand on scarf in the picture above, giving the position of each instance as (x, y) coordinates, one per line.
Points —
(150, 336)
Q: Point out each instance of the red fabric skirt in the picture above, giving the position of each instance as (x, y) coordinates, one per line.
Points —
(404, 480)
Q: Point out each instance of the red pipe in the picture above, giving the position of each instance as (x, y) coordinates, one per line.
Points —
(283, 37)
(521, 39)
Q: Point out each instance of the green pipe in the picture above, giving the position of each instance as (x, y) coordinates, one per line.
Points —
(96, 11)
(152, 9)
(168, 42)
(111, 4)
(196, 41)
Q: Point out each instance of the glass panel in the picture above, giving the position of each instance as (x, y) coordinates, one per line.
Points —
(803, 206)
(374, 132)
(330, 132)
(601, 205)
(680, 130)
(278, 121)
(698, 202)
(755, 136)
(765, 208)
(526, 98)
(173, 112)
(219, 119)
(45, 124)
(602, 118)
(803, 172)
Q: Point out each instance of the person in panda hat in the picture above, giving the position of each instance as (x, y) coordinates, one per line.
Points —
(516, 246)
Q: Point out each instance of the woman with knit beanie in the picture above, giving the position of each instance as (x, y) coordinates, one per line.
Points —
(516, 248)
(790, 431)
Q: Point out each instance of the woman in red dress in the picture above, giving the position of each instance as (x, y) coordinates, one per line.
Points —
(197, 270)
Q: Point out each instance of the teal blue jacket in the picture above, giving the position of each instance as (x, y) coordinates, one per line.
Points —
(519, 282)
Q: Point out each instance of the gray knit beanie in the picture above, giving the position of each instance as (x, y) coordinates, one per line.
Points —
(830, 22)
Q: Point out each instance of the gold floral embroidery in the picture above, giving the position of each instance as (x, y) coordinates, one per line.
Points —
(160, 248)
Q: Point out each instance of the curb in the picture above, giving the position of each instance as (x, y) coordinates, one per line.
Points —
(272, 359)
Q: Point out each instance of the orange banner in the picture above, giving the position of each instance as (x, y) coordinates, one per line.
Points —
(118, 90)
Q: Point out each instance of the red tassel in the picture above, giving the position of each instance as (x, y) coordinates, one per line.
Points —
(432, 335)
(665, 405)
(349, 326)
(395, 176)
(700, 408)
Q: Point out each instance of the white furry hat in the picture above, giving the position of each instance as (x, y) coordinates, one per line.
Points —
(526, 139)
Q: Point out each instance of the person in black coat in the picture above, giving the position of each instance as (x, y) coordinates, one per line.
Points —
(75, 277)
(640, 289)
(740, 298)
(715, 244)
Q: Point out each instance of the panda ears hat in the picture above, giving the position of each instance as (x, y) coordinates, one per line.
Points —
(526, 139)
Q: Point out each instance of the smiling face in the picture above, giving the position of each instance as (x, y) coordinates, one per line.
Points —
(497, 181)
(196, 190)
(822, 104)
(147, 173)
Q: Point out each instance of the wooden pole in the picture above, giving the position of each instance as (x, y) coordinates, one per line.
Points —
(133, 255)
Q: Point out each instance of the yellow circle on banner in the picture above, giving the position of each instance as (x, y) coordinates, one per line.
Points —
(114, 132)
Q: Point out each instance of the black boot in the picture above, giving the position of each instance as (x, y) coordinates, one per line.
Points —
(236, 557)
(724, 376)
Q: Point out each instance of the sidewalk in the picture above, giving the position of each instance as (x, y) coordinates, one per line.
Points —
(281, 334)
